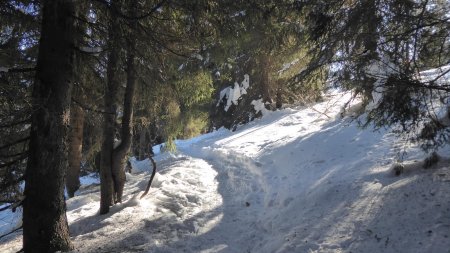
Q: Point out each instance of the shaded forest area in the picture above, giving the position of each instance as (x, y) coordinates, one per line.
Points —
(84, 85)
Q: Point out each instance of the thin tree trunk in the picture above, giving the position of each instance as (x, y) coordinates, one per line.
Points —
(119, 155)
(45, 227)
(109, 118)
(279, 96)
(265, 62)
(77, 113)
(75, 148)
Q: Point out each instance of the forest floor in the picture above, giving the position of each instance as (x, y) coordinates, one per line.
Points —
(297, 180)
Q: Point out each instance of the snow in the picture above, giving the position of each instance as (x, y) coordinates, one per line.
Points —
(4, 69)
(91, 50)
(440, 104)
(443, 115)
(9, 221)
(440, 75)
(381, 70)
(238, 14)
(245, 84)
(197, 56)
(297, 180)
(232, 95)
(258, 105)
(288, 65)
(139, 166)
(90, 179)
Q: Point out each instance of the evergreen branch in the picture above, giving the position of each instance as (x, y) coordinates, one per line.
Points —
(102, 2)
(146, 15)
(153, 10)
(15, 142)
(12, 182)
(7, 201)
(159, 43)
(90, 50)
(20, 158)
(11, 124)
(17, 70)
(14, 155)
(85, 107)
(14, 205)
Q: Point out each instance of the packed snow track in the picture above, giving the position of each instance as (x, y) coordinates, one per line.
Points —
(298, 180)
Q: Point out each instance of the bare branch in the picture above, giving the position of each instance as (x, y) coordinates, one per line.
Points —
(151, 177)
(16, 70)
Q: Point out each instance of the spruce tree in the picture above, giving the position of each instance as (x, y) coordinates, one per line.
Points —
(379, 49)
(45, 227)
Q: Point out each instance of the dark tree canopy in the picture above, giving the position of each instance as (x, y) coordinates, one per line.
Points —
(143, 72)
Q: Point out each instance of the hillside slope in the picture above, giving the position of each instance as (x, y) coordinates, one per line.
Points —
(298, 180)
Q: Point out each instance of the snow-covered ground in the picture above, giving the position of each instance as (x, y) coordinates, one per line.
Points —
(298, 180)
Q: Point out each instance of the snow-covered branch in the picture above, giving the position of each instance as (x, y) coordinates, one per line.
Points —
(15, 70)
(91, 50)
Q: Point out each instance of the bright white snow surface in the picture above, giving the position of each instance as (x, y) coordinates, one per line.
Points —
(298, 180)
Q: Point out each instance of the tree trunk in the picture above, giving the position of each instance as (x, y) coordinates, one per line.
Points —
(77, 113)
(75, 148)
(265, 62)
(109, 118)
(45, 227)
(279, 96)
(119, 155)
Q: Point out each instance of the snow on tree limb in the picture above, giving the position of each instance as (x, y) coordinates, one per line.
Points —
(232, 95)
(91, 50)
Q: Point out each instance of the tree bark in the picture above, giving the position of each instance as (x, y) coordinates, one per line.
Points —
(75, 148)
(112, 178)
(45, 227)
(142, 144)
(265, 62)
(77, 112)
(119, 155)
(109, 117)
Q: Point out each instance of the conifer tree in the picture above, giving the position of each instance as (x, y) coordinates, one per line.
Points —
(45, 227)
(18, 47)
(378, 48)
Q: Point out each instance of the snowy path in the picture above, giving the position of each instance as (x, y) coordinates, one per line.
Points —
(321, 185)
(298, 180)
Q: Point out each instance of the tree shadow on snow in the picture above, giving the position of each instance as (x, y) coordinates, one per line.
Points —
(329, 191)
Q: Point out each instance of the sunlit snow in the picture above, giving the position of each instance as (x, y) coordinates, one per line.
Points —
(297, 180)
(233, 94)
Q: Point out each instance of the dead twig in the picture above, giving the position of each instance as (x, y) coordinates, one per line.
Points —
(151, 177)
